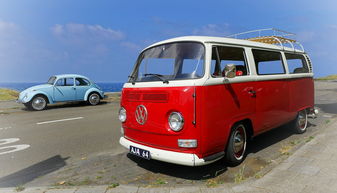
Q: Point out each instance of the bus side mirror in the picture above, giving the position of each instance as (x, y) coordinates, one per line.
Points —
(230, 71)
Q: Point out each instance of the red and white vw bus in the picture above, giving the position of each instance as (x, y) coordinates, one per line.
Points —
(193, 100)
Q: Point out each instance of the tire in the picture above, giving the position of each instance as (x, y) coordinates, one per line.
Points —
(237, 145)
(301, 122)
(94, 99)
(28, 106)
(38, 103)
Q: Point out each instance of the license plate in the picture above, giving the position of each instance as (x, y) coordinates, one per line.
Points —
(140, 152)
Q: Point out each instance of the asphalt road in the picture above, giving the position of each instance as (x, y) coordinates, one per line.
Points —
(79, 142)
(79, 130)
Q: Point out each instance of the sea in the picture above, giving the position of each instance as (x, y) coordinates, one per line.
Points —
(105, 86)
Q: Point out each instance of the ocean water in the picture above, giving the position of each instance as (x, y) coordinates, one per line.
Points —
(106, 86)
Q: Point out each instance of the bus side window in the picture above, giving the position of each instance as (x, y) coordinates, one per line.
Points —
(268, 62)
(228, 55)
(296, 63)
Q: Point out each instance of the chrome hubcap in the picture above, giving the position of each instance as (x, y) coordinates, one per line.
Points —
(239, 142)
(39, 103)
(94, 99)
(302, 120)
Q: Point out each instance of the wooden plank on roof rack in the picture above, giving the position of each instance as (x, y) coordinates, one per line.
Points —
(271, 39)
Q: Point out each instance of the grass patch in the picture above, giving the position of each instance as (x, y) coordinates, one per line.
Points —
(309, 139)
(295, 142)
(258, 175)
(330, 77)
(239, 177)
(327, 121)
(285, 149)
(160, 182)
(212, 183)
(8, 94)
(113, 185)
(19, 188)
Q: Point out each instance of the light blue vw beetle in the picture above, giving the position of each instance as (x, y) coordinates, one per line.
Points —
(61, 88)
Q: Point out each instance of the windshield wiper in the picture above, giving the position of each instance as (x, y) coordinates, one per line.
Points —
(158, 76)
(132, 79)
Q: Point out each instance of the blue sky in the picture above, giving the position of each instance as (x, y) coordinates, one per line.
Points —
(101, 39)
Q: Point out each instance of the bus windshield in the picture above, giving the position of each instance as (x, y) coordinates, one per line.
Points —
(173, 61)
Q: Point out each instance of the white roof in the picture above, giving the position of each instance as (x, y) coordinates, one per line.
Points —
(223, 40)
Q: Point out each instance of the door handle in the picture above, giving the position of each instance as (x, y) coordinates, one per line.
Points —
(252, 93)
(74, 88)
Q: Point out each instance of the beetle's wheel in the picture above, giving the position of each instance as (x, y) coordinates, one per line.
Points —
(236, 148)
(38, 103)
(94, 99)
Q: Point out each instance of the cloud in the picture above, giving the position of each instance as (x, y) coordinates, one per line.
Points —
(332, 27)
(21, 54)
(85, 34)
(7, 27)
(131, 46)
(306, 36)
(213, 30)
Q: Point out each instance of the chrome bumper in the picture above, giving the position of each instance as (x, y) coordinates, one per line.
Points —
(186, 159)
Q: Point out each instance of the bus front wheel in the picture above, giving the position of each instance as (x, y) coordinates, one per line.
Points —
(236, 147)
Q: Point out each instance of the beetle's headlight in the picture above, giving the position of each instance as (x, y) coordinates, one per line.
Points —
(176, 121)
(122, 115)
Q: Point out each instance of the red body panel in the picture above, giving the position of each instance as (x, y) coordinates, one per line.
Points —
(215, 109)
(160, 102)
(218, 106)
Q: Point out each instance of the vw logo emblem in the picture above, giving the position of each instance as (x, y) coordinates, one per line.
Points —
(141, 114)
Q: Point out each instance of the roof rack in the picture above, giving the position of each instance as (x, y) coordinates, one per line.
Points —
(270, 36)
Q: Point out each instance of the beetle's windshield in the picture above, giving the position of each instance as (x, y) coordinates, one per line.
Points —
(51, 80)
(174, 61)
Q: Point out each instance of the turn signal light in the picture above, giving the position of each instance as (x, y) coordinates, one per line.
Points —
(187, 143)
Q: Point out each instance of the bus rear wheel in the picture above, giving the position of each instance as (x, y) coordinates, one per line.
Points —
(236, 147)
(301, 122)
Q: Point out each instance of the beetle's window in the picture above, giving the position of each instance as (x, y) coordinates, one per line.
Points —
(268, 62)
(296, 63)
(65, 82)
(222, 56)
(60, 82)
(81, 82)
(51, 80)
(69, 82)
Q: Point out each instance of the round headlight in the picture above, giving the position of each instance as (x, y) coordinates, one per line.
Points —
(176, 121)
(122, 114)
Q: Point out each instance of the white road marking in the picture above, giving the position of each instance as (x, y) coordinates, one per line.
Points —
(11, 148)
(9, 140)
(14, 148)
(4, 128)
(60, 120)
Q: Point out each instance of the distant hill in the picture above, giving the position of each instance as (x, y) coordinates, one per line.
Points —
(330, 77)
(8, 94)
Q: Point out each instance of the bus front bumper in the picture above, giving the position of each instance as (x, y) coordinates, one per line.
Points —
(186, 159)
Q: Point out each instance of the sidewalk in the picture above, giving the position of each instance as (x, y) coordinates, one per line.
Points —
(312, 168)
